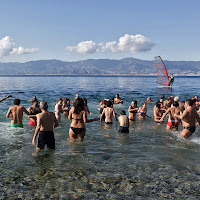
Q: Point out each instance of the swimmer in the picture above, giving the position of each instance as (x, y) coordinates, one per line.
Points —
(16, 112)
(109, 113)
(86, 106)
(78, 116)
(168, 103)
(189, 117)
(133, 110)
(124, 122)
(33, 110)
(142, 111)
(58, 109)
(3, 99)
(172, 120)
(158, 112)
(46, 122)
(148, 100)
(118, 100)
(66, 106)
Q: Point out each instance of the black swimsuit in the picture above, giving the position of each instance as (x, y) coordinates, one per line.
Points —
(191, 129)
(77, 130)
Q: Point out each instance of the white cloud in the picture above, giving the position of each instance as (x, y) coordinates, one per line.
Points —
(84, 47)
(21, 50)
(7, 48)
(127, 43)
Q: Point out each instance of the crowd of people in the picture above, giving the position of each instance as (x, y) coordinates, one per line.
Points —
(185, 111)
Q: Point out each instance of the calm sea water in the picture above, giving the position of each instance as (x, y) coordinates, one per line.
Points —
(147, 163)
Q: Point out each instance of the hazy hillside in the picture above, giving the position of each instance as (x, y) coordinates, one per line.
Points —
(126, 66)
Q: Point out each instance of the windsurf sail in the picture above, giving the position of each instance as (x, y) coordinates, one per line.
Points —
(162, 73)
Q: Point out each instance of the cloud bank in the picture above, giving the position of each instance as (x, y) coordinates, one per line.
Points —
(127, 43)
(7, 48)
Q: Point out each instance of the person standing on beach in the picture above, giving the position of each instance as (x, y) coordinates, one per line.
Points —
(16, 112)
(189, 117)
(46, 122)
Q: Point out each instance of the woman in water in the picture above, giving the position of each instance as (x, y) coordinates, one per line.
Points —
(142, 111)
(78, 116)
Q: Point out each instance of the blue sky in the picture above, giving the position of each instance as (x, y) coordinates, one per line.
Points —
(78, 30)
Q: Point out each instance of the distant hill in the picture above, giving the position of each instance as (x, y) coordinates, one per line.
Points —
(126, 66)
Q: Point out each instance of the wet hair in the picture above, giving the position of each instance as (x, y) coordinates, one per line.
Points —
(194, 100)
(85, 101)
(122, 112)
(109, 104)
(163, 96)
(135, 102)
(168, 98)
(158, 104)
(60, 99)
(117, 95)
(78, 105)
(16, 102)
(189, 101)
(43, 105)
(143, 103)
(176, 104)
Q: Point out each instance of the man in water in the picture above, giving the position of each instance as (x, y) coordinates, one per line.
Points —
(33, 110)
(16, 112)
(118, 100)
(46, 122)
(58, 109)
(133, 110)
(168, 103)
(124, 122)
(5, 98)
(188, 118)
(158, 112)
(171, 80)
(172, 121)
(109, 113)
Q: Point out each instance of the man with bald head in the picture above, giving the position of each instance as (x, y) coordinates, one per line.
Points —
(46, 122)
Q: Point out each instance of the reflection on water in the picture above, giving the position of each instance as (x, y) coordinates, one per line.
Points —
(148, 162)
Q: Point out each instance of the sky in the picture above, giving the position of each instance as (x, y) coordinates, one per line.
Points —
(107, 29)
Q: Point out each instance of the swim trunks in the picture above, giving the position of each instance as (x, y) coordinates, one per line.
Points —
(173, 123)
(46, 137)
(108, 122)
(32, 123)
(16, 125)
(77, 130)
(191, 129)
(123, 129)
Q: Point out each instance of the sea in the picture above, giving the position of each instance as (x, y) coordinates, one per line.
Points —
(147, 163)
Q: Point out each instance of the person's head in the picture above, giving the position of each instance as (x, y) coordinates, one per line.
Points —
(16, 102)
(43, 105)
(196, 97)
(109, 104)
(59, 100)
(134, 103)
(163, 97)
(149, 99)
(188, 102)
(176, 98)
(78, 105)
(158, 105)
(144, 104)
(169, 99)
(117, 95)
(176, 104)
(85, 101)
(122, 112)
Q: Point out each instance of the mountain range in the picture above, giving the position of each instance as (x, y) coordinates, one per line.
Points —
(126, 66)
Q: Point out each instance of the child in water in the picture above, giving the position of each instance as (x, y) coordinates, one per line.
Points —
(124, 122)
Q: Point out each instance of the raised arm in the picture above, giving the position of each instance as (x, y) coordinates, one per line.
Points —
(5, 98)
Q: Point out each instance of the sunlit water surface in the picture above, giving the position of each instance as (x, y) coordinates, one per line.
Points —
(147, 163)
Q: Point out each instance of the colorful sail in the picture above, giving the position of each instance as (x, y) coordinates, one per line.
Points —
(162, 73)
